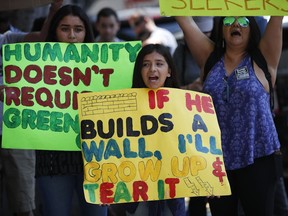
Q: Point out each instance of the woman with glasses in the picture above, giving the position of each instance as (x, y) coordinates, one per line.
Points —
(236, 71)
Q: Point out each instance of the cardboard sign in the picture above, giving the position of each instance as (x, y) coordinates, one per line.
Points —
(43, 80)
(144, 144)
(223, 7)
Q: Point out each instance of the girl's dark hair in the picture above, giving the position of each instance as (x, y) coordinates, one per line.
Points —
(171, 81)
(220, 45)
(66, 10)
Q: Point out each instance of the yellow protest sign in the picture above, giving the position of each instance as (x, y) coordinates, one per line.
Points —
(43, 80)
(144, 144)
(223, 7)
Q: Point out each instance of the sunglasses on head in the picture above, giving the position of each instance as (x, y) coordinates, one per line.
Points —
(242, 21)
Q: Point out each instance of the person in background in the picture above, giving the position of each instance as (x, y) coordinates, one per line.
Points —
(233, 72)
(38, 23)
(5, 23)
(187, 68)
(60, 173)
(17, 167)
(107, 25)
(155, 61)
(146, 30)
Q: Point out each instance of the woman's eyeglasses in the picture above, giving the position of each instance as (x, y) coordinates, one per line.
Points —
(242, 21)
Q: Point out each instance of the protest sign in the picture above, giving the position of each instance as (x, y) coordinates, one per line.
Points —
(43, 80)
(223, 7)
(145, 144)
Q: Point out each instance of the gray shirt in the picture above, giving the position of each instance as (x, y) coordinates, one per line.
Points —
(8, 37)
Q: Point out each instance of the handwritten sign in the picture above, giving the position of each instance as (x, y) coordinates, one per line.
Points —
(144, 144)
(43, 80)
(223, 7)
(20, 4)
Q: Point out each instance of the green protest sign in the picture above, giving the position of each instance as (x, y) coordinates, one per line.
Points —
(43, 80)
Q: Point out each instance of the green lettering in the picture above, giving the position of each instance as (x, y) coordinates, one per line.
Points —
(133, 51)
(37, 52)
(43, 120)
(11, 118)
(122, 192)
(8, 52)
(116, 50)
(104, 53)
(71, 53)
(70, 122)
(28, 118)
(91, 191)
(160, 189)
(87, 52)
(56, 121)
(52, 52)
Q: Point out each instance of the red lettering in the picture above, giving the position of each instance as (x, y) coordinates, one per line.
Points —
(43, 96)
(43, 102)
(151, 98)
(75, 101)
(140, 188)
(196, 102)
(105, 192)
(162, 97)
(8, 74)
(78, 75)
(207, 104)
(12, 94)
(26, 96)
(106, 76)
(27, 74)
(95, 68)
(172, 188)
(49, 75)
(64, 78)
(67, 101)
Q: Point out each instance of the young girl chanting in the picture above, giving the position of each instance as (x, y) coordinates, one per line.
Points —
(154, 68)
